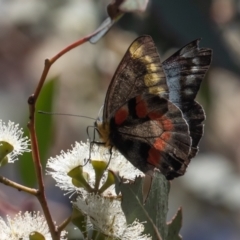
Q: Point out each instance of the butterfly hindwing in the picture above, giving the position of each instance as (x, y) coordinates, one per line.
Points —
(151, 132)
(194, 117)
(185, 71)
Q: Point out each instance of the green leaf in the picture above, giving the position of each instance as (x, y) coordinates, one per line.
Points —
(79, 220)
(4, 161)
(174, 226)
(36, 236)
(99, 168)
(154, 212)
(44, 124)
(109, 182)
(79, 178)
(44, 130)
(5, 149)
(96, 235)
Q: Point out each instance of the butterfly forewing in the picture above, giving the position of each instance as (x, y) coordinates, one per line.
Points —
(140, 71)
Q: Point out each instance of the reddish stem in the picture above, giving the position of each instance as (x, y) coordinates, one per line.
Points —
(55, 233)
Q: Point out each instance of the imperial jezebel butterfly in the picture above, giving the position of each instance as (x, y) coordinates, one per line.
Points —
(150, 114)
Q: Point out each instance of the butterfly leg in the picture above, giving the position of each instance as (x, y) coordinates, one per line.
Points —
(110, 157)
(92, 141)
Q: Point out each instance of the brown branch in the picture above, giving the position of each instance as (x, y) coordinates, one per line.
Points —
(38, 169)
(64, 223)
(34, 143)
(17, 186)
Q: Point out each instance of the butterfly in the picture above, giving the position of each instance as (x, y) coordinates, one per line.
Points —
(150, 114)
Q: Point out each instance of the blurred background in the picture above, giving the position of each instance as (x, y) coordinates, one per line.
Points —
(33, 30)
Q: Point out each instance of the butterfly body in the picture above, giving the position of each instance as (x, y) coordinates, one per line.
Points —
(150, 114)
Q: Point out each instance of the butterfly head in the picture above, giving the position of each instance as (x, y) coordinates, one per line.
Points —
(103, 129)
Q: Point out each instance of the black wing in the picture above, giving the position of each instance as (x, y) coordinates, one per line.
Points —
(185, 71)
(152, 134)
(139, 72)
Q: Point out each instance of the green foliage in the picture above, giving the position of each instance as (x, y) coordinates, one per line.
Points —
(174, 226)
(5, 148)
(36, 236)
(44, 130)
(44, 126)
(80, 178)
(154, 212)
(80, 221)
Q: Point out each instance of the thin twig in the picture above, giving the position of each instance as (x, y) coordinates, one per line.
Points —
(38, 169)
(64, 223)
(34, 143)
(17, 186)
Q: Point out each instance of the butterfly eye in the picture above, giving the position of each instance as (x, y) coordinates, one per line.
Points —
(99, 120)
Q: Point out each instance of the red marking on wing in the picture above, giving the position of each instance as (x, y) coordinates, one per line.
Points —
(160, 143)
(141, 108)
(154, 157)
(167, 124)
(164, 137)
(163, 121)
(121, 115)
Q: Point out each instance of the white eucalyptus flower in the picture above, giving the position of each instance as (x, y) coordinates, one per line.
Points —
(24, 224)
(61, 165)
(13, 135)
(107, 216)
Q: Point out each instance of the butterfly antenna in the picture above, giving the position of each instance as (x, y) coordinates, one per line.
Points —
(100, 110)
(65, 114)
